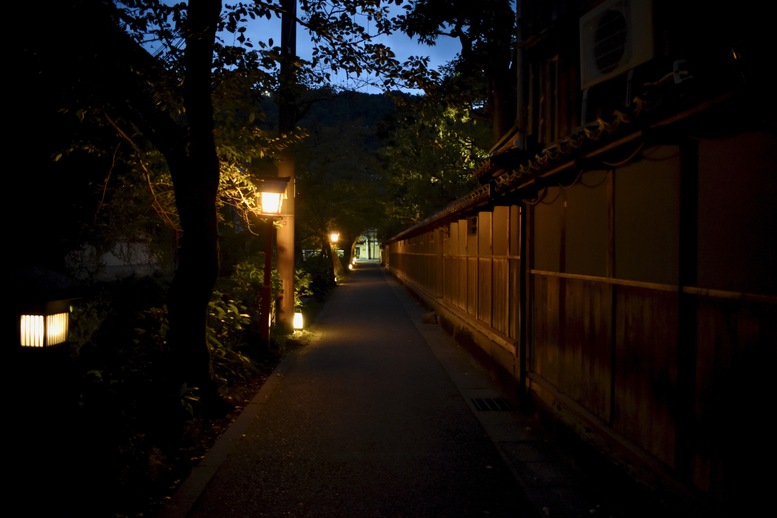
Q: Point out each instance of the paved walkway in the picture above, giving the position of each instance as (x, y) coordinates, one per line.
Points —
(381, 415)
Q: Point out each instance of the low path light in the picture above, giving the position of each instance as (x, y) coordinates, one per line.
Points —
(298, 321)
(45, 324)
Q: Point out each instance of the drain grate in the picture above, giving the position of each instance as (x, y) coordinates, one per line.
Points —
(484, 404)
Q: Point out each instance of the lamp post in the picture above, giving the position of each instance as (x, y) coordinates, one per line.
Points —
(272, 192)
(287, 123)
(337, 266)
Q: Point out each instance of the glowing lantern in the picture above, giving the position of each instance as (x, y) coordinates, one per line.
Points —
(298, 323)
(273, 192)
(44, 325)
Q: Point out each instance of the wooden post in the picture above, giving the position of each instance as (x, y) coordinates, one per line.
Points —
(266, 302)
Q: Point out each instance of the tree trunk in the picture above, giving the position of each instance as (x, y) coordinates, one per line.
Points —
(287, 120)
(195, 182)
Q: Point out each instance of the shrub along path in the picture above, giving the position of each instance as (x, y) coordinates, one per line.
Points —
(120, 461)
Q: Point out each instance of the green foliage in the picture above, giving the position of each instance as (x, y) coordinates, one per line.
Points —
(338, 175)
(482, 77)
(118, 338)
(105, 82)
(383, 162)
(245, 284)
(112, 393)
(110, 148)
(86, 317)
(227, 325)
(303, 285)
(318, 275)
(430, 152)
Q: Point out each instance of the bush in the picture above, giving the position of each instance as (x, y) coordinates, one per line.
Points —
(319, 275)
(228, 324)
(119, 420)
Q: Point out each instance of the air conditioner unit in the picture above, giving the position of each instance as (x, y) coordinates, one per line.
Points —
(615, 37)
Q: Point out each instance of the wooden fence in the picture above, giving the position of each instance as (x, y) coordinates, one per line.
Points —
(637, 302)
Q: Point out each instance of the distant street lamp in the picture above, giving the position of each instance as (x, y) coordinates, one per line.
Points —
(337, 266)
(272, 193)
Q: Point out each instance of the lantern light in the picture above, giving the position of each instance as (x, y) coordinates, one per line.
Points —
(44, 325)
(298, 321)
(273, 192)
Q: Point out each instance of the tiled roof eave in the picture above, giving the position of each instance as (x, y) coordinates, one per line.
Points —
(583, 143)
(477, 198)
(589, 141)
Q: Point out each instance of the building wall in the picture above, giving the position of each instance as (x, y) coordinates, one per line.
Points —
(645, 314)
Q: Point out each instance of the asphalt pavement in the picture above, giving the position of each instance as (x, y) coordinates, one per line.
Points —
(383, 414)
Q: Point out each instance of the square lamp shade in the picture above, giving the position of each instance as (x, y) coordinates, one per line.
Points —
(44, 325)
(273, 192)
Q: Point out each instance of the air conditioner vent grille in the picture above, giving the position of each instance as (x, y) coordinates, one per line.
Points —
(616, 36)
(610, 41)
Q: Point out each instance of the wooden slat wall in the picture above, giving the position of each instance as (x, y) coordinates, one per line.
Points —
(484, 275)
(457, 264)
(645, 373)
(652, 307)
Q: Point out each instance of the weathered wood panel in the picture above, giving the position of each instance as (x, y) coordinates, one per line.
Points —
(484, 289)
(500, 306)
(500, 232)
(514, 301)
(450, 264)
(646, 343)
(543, 353)
(485, 237)
(735, 358)
(586, 359)
(514, 249)
(450, 275)
(472, 286)
(572, 339)
(461, 295)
